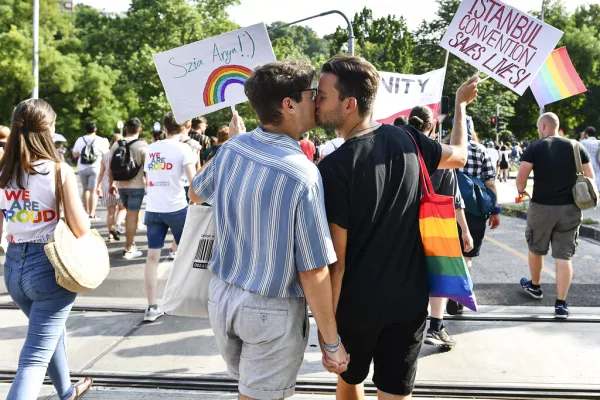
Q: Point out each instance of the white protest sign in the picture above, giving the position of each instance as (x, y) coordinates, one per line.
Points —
(399, 93)
(501, 41)
(209, 75)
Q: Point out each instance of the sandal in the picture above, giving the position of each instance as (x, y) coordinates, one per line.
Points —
(115, 234)
(79, 393)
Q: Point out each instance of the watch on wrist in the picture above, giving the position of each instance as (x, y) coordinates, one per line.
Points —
(497, 210)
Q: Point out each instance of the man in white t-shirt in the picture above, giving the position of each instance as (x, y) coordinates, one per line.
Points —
(89, 150)
(330, 146)
(493, 154)
(166, 205)
(592, 145)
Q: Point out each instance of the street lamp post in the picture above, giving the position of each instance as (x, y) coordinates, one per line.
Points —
(36, 48)
(542, 109)
(350, 30)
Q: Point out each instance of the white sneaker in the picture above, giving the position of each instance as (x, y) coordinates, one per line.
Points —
(172, 255)
(152, 314)
(134, 253)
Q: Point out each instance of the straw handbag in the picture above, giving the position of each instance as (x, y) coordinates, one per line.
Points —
(585, 192)
(81, 264)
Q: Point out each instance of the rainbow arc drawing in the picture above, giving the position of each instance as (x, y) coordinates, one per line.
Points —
(220, 79)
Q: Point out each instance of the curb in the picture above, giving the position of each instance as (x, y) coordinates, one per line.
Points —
(584, 230)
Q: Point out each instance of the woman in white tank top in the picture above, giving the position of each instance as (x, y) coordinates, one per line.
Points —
(28, 204)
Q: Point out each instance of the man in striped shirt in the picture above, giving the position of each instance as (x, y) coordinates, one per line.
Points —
(272, 244)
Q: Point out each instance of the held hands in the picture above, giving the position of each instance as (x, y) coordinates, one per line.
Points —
(467, 241)
(337, 362)
(467, 92)
(236, 125)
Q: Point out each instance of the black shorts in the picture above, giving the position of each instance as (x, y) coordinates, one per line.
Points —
(477, 227)
(394, 350)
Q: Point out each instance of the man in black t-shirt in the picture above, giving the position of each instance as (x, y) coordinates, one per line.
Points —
(372, 198)
(199, 125)
(553, 216)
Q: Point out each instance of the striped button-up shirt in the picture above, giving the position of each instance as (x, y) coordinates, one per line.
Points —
(269, 214)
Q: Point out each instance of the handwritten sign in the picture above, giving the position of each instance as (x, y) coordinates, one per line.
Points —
(501, 41)
(209, 75)
(399, 93)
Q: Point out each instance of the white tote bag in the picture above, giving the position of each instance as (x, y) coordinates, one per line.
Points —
(186, 293)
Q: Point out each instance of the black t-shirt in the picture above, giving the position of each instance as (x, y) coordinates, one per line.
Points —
(554, 169)
(372, 189)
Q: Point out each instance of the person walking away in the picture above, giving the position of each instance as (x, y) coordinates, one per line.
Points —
(197, 133)
(4, 132)
(89, 150)
(331, 145)
(493, 154)
(222, 137)
(444, 183)
(504, 163)
(479, 165)
(592, 145)
(28, 203)
(129, 180)
(372, 197)
(308, 147)
(166, 207)
(114, 207)
(553, 217)
(272, 244)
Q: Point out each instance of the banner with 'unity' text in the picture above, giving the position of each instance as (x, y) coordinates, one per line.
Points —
(399, 93)
(501, 41)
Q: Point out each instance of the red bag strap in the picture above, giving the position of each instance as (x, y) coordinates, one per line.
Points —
(426, 184)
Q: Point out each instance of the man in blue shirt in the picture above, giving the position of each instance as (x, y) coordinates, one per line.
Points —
(272, 244)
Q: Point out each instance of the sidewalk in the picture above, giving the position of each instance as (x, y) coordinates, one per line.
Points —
(490, 351)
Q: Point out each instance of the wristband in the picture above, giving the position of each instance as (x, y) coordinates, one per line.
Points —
(332, 348)
(497, 210)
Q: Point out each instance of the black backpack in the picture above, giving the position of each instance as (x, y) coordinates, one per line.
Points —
(88, 154)
(122, 164)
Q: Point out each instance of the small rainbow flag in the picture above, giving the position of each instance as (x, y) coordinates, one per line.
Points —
(557, 79)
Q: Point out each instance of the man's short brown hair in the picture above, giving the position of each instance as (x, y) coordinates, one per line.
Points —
(197, 121)
(271, 83)
(223, 134)
(357, 78)
(171, 124)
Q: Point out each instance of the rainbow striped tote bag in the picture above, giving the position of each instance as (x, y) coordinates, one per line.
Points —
(447, 270)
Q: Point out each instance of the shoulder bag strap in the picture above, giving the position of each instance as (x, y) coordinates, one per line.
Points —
(426, 184)
(60, 194)
(577, 155)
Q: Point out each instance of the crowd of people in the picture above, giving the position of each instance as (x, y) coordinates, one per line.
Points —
(332, 225)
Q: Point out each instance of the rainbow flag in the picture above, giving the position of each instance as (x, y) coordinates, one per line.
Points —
(447, 272)
(557, 79)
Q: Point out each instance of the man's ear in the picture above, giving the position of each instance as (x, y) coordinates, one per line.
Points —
(350, 104)
(287, 105)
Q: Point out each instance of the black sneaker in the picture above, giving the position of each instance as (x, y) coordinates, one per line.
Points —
(441, 338)
(561, 311)
(453, 308)
(535, 293)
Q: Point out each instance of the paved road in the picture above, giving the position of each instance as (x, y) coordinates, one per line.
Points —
(496, 274)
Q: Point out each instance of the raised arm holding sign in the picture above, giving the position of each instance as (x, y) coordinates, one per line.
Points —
(501, 41)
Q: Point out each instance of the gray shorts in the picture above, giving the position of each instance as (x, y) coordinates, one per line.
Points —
(558, 225)
(262, 339)
(89, 178)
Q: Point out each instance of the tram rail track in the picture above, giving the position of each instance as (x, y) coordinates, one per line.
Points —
(320, 387)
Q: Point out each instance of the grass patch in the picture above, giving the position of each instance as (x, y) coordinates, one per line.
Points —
(590, 221)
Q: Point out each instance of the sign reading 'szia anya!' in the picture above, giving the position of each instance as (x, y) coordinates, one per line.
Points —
(209, 75)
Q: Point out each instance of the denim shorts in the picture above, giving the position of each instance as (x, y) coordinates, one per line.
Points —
(89, 178)
(132, 198)
(157, 225)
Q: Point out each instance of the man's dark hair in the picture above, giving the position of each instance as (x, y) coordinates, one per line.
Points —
(271, 83)
(171, 125)
(133, 125)
(401, 121)
(90, 127)
(357, 78)
(590, 131)
(420, 117)
(197, 121)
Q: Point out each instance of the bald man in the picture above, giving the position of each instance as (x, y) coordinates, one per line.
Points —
(553, 217)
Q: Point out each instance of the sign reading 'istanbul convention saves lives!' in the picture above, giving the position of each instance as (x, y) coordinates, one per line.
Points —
(209, 75)
(501, 41)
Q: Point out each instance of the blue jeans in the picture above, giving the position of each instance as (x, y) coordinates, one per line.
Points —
(157, 225)
(31, 282)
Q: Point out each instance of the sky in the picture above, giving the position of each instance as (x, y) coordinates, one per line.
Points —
(250, 12)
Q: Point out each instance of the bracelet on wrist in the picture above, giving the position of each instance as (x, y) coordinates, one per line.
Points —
(332, 348)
